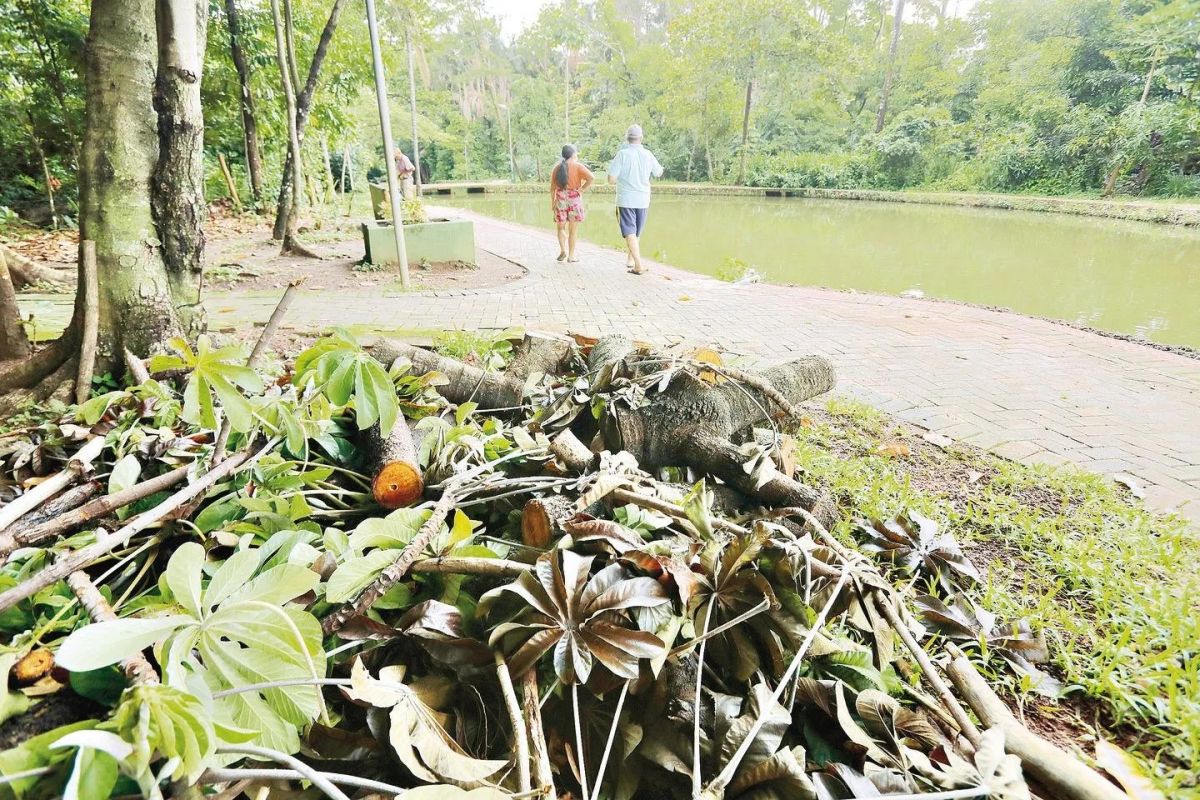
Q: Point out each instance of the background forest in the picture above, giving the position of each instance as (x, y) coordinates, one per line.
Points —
(1046, 96)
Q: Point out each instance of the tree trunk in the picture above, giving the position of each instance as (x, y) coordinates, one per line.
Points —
(177, 193)
(249, 118)
(745, 131)
(117, 170)
(329, 188)
(46, 176)
(296, 177)
(412, 103)
(13, 342)
(303, 107)
(885, 95)
(567, 97)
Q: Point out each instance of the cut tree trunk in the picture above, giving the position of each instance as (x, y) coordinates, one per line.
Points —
(541, 354)
(303, 108)
(391, 460)
(489, 389)
(178, 189)
(249, 117)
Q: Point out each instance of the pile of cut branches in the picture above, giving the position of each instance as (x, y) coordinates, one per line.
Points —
(594, 574)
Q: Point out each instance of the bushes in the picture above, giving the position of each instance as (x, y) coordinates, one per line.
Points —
(809, 170)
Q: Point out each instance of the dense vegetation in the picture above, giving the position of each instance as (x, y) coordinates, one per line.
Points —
(1053, 96)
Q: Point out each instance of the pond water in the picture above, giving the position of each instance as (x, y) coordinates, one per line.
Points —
(1129, 277)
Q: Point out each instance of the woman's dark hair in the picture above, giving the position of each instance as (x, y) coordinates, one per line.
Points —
(560, 172)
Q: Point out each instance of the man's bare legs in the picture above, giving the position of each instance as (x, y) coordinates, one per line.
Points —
(634, 259)
(562, 241)
(572, 238)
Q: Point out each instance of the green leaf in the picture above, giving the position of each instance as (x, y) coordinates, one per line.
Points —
(356, 573)
(183, 576)
(103, 643)
(124, 474)
(103, 685)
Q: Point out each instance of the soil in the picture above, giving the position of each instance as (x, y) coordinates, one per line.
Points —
(241, 255)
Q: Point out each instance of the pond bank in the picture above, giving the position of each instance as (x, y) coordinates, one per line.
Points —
(1163, 212)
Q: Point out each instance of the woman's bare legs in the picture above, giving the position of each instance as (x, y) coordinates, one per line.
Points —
(572, 238)
(562, 241)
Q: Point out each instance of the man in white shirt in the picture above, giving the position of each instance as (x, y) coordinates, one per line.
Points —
(631, 170)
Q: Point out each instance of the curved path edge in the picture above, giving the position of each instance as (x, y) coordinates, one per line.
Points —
(1027, 389)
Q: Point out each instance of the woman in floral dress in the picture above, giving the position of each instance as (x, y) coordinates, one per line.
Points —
(568, 181)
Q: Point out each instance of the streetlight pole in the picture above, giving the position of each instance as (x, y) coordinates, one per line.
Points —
(385, 124)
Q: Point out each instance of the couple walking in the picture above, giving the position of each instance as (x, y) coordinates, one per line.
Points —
(631, 170)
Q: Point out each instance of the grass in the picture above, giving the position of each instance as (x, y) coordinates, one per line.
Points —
(1113, 587)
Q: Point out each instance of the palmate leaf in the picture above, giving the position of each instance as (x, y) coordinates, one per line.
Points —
(238, 631)
(339, 368)
(221, 372)
(914, 544)
(168, 722)
(582, 619)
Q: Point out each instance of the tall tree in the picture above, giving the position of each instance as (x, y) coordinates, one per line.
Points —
(304, 102)
(254, 164)
(890, 75)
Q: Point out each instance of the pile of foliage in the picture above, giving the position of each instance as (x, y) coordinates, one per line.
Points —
(548, 621)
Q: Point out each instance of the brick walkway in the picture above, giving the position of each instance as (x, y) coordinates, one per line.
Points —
(1024, 388)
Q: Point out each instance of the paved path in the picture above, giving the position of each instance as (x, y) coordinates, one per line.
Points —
(1024, 388)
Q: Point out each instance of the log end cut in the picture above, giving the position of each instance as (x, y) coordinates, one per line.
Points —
(397, 484)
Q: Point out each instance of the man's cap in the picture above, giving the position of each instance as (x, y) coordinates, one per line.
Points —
(634, 132)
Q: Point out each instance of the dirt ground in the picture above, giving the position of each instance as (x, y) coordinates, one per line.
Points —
(240, 255)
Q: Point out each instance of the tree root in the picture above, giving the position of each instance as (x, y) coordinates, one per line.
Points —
(293, 247)
(25, 272)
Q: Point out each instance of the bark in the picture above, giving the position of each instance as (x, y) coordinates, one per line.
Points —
(79, 464)
(136, 668)
(531, 707)
(118, 160)
(697, 425)
(294, 175)
(541, 353)
(249, 116)
(889, 77)
(490, 390)
(745, 131)
(13, 341)
(412, 102)
(303, 108)
(88, 293)
(178, 189)
(392, 463)
(55, 507)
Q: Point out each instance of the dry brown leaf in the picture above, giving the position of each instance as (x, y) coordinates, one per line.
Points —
(683, 298)
(894, 449)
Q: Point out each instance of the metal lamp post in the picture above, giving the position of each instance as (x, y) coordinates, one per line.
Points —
(385, 123)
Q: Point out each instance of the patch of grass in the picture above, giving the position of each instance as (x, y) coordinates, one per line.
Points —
(1113, 587)
(230, 273)
(492, 351)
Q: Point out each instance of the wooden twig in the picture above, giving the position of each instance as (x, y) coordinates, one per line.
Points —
(229, 182)
(39, 494)
(100, 507)
(268, 331)
(520, 737)
(55, 507)
(136, 667)
(530, 704)
(136, 368)
(89, 293)
(1061, 773)
(458, 565)
(78, 559)
(260, 347)
(756, 382)
(397, 569)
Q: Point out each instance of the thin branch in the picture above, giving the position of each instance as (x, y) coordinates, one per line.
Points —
(136, 667)
(311, 775)
(78, 559)
(136, 368)
(398, 568)
(231, 774)
(583, 781)
(612, 735)
(79, 463)
(537, 737)
(520, 737)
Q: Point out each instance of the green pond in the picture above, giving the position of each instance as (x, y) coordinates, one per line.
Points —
(1129, 277)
